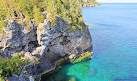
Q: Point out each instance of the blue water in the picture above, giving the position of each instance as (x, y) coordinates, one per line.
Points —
(114, 32)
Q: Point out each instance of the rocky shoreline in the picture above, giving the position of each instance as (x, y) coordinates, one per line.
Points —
(49, 44)
(95, 5)
(65, 61)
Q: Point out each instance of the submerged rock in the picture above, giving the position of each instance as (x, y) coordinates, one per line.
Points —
(49, 44)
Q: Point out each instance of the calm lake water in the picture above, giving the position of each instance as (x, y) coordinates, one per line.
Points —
(114, 32)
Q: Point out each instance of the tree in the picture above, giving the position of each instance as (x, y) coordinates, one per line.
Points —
(20, 10)
(38, 16)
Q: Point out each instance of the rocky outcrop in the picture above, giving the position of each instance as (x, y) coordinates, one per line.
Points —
(49, 44)
(18, 38)
(91, 5)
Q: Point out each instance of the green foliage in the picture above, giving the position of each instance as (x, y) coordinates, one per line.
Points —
(18, 10)
(11, 66)
(29, 9)
(2, 25)
(36, 59)
(82, 58)
(38, 16)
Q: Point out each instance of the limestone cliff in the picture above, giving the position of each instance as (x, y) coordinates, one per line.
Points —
(90, 3)
(49, 44)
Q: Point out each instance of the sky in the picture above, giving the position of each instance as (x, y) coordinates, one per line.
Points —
(117, 1)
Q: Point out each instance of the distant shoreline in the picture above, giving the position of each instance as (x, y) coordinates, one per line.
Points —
(118, 3)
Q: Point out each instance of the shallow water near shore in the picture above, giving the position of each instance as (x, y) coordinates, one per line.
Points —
(114, 33)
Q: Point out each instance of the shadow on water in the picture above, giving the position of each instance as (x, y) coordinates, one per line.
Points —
(79, 70)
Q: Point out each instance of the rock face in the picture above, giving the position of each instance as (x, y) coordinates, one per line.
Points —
(49, 44)
(17, 38)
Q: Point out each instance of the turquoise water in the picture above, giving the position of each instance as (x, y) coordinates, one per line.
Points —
(114, 32)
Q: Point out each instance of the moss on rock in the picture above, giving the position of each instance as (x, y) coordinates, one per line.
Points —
(83, 57)
(72, 79)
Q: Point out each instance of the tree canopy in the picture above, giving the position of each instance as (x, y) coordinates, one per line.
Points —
(33, 9)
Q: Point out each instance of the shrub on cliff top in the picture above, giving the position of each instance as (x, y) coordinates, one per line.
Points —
(11, 66)
(18, 10)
